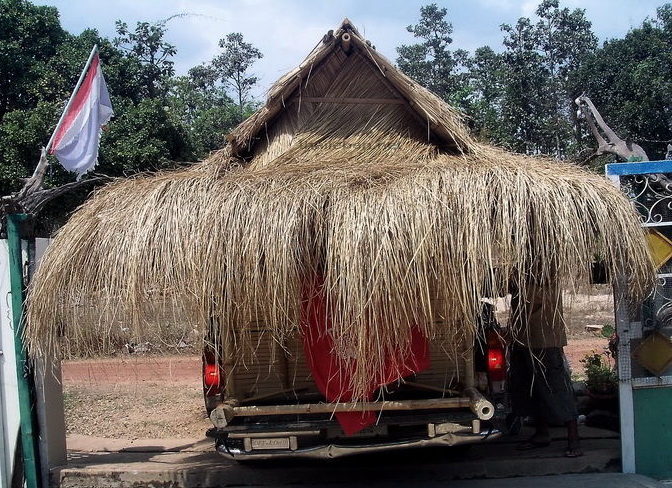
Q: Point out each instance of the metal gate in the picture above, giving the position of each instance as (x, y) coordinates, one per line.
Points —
(645, 333)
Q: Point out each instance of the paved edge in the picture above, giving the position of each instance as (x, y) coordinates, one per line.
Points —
(199, 469)
(191, 463)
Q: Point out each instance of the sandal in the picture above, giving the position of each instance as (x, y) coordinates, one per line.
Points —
(573, 452)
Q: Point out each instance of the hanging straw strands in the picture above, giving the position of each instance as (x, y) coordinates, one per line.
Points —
(387, 240)
(401, 231)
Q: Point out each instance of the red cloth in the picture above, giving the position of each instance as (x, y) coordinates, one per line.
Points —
(332, 373)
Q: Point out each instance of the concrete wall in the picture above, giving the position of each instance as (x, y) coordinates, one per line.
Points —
(50, 415)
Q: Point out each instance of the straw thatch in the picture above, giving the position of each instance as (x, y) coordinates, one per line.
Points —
(351, 175)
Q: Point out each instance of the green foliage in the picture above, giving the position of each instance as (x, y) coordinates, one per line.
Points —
(202, 106)
(519, 98)
(143, 137)
(29, 36)
(18, 152)
(430, 62)
(523, 97)
(484, 104)
(608, 331)
(600, 368)
(537, 100)
(601, 377)
(146, 47)
(232, 66)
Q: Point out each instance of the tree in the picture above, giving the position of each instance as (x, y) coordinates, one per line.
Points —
(143, 137)
(29, 37)
(146, 45)
(535, 100)
(202, 106)
(630, 81)
(566, 40)
(521, 98)
(486, 84)
(523, 93)
(430, 62)
(232, 67)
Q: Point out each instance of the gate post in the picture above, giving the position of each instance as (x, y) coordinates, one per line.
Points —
(645, 334)
(29, 440)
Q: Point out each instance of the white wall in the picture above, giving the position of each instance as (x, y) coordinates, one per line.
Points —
(9, 394)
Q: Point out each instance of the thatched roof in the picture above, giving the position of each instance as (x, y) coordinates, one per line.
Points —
(352, 174)
(345, 69)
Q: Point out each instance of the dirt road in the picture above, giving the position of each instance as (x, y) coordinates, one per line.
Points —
(135, 397)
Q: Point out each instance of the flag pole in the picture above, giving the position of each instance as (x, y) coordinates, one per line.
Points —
(72, 97)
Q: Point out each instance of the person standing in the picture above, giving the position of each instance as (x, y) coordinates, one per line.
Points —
(539, 383)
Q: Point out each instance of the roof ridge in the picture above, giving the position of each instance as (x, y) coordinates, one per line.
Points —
(444, 123)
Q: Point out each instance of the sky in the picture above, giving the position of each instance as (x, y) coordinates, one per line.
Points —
(285, 31)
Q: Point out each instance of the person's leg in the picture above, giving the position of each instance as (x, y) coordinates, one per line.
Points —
(520, 377)
(557, 397)
(540, 438)
(573, 441)
(541, 434)
(522, 396)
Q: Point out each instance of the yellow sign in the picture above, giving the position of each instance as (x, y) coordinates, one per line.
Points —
(661, 247)
(654, 353)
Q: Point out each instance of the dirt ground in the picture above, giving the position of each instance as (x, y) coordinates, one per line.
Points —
(135, 397)
(155, 397)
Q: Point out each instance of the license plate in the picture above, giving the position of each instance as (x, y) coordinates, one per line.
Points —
(269, 443)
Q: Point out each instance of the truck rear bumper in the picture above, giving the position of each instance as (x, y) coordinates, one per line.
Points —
(292, 444)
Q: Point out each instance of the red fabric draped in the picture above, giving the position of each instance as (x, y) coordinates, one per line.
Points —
(332, 372)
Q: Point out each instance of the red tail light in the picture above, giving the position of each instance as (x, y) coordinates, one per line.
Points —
(496, 364)
(496, 358)
(211, 376)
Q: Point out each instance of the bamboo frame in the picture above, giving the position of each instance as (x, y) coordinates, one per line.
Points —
(482, 408)
(231, 411)
(366, 101)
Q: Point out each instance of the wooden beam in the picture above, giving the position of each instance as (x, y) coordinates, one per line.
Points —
(370, 101)
(430, 404)
(482, 408)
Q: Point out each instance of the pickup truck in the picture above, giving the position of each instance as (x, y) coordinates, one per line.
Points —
(266, 405)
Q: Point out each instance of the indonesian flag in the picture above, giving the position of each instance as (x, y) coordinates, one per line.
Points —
(76, 139)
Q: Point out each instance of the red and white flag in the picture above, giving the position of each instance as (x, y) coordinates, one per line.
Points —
(77, 136)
